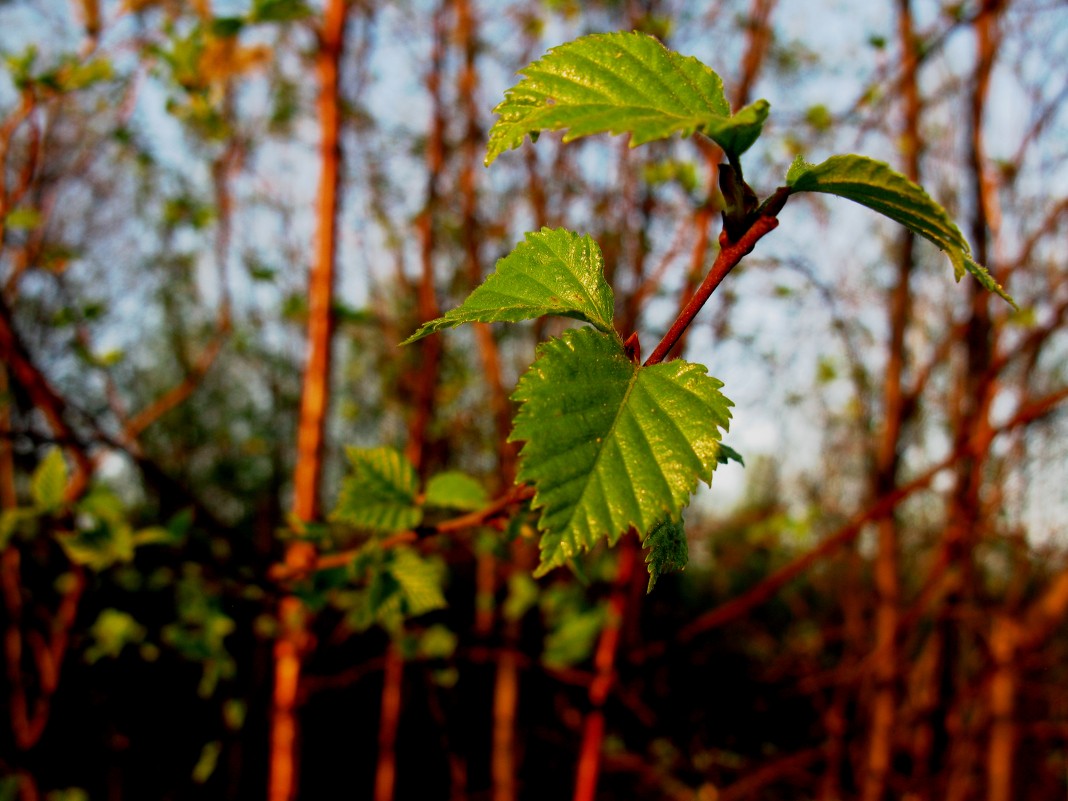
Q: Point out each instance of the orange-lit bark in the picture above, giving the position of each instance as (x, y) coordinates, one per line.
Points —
(1003, 685)
(293, 639)
(315, 395)
(288, 653)
(505, 705)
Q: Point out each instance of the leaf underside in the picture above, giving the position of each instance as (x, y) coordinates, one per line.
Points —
(49, 481)
(611, 445)
(620, 83)
(550, 272)
(878, 186)
(666, 550)
(455, 490)
(379, 494)
(419, 580)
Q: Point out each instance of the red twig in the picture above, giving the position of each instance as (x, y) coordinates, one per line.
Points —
(729, 255)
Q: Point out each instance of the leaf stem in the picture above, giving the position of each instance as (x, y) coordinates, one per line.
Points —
(729, 255)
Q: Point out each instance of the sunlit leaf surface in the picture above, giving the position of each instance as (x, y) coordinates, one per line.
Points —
(611, 445)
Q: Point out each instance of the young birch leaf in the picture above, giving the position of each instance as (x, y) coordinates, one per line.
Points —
(738, 133)
(551, 272)
(455, 490)
(667, 550)
(49, 482)
(881, 188)
(610, 83)
(419, 580)
(379, 494)
(728, 454)
(611, 445)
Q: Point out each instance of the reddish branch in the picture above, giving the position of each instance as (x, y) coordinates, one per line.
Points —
(493, 511)
(729, 255)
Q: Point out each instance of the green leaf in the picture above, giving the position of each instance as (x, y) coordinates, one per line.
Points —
(379, 494)
(551, 272)
(728, 454)
(667, 550)
(208, 760)
(522, 595)
(610, 83)
(455, 490)
(100, 547)
(11, 520)
(227, 27)
(573, 639)
(76, 74)
(113, 631)
(420, 581)
(278, 10)
(437, 642)
(609, 444)
(881, 188)
(24, 218)
(738, 133)
(49, 481)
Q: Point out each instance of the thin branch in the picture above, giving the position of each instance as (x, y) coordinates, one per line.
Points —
(729, 255)
(494, 510)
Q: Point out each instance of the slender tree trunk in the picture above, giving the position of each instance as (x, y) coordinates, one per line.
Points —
(315, 395)
(954, 747)
(1003, 684)
(888, 450)
(505, 705)
(293, 639)
(604, 665)
(388, 724)
(426, 384)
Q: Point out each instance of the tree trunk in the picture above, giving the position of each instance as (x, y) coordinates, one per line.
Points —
(293, 639)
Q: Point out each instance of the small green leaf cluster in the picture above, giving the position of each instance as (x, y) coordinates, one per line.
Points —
(381, 496)
(94, 531)
(70, 73)
(200, 631)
